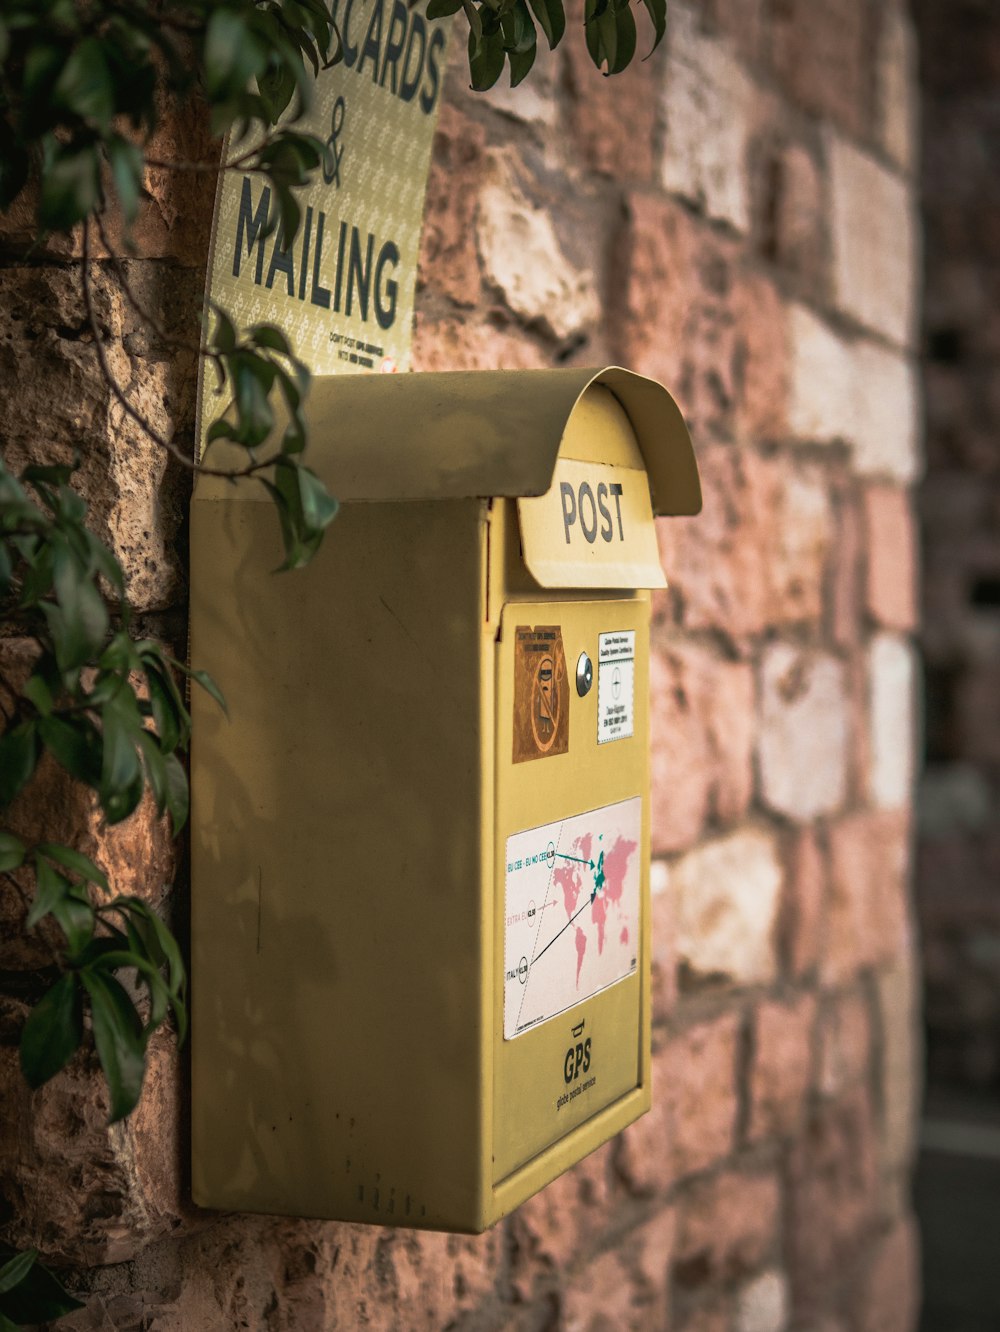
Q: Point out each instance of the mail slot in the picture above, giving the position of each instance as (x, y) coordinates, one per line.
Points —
(420, 903)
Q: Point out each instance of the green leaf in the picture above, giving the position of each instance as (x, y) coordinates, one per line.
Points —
(657, 10)
(76, 744)
(475, 17)
(156, 770)
(231, 54)
(18, 756)
(119, 1040)
(4, 42)
(486, 63)
(148, 973)
(121, 775)
(625, 39)
(551, 19)
(224, 338)
(12, 851)
(104, 562)
(79, 621)
(319, 508)
(50, 889)
(85, 85)
(76, 862)
(167, 710)
(13, 1272)
(53, 1032)
(252, 380)
(177, 793)
(39, 1297)
(267, 335)
(74, 915)
(71, 187)
(442, 8)
(162, 947)
(208, 684)
(36, 691)
(126, 161)
(522, 57)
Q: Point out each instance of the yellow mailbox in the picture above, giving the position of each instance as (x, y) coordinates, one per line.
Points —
(420, 939)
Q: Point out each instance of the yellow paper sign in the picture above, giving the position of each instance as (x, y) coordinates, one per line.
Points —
(342, 291)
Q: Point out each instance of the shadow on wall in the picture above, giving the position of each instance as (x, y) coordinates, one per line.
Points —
(958, 850)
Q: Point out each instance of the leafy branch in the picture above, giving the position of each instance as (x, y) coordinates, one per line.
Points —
(108, 708)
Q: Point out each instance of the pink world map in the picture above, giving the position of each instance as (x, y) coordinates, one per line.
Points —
(603, 879)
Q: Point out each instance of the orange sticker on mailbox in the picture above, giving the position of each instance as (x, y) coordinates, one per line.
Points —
(541, 693)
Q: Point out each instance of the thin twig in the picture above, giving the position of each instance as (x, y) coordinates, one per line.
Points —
(53, 951)
(147, 427)
(168, 339)
(213, 168)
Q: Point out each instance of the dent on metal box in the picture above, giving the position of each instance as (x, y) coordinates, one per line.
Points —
(420, 935)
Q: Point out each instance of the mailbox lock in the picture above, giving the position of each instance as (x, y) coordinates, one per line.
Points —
(584, 674)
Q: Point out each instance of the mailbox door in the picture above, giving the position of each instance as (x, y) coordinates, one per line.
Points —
(571, 1021)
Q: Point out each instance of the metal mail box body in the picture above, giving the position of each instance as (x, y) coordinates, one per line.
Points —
(420, 930)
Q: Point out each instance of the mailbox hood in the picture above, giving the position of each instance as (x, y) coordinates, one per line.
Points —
(457, 434)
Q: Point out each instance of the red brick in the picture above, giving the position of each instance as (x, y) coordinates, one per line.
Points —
(762, 348)
(612, 122)
(626, 1288)
(643, 1153)
(702, 1069)
(794, 222)
(867, 919)
(693, 1120)
(833, 1197)
(712, 1315)
(802, 909)
(671, 321)
(729, 1227)
(743, 22)
(890, 1293)
(781, 1074)
(891, 549)
(845, 1042)
(452, 344)
(680, 763)
(562, 1223)
(702, 716)
(439, 1277)
(822, 54)
(691, 317)
(664, 951)
(845, 588)
(448, 263)
(756, 555)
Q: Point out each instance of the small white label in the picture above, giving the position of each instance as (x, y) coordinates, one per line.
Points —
(615, 686)
(572, 912)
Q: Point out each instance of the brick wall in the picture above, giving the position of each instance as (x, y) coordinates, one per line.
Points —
(959, 849)
(735, 216)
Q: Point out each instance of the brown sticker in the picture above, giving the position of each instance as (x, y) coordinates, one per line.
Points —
(541, 693)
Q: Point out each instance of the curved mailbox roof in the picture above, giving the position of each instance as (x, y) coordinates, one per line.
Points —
(456, 434)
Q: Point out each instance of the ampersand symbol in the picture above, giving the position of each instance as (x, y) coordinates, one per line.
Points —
(334, 153)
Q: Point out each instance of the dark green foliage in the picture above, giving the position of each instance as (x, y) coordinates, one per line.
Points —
(29, 1293)
(108, 707)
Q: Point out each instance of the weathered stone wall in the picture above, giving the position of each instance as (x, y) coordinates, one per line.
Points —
(959, 845)
(735, 216)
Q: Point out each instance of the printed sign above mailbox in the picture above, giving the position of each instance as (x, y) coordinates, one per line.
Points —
(342, 292)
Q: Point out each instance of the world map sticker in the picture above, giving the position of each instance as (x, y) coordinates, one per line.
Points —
(572, 912)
